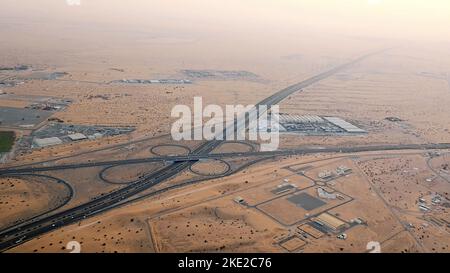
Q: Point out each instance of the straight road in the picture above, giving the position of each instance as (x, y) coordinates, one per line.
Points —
(196, 157)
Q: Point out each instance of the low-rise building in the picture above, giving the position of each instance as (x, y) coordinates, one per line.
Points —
(343, 170)
(77, 137)
(322, 193)
(45, 142)
(325, 175)
(95, 136)
(239, 200)
(330, 221)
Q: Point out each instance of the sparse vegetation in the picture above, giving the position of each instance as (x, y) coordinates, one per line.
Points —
(6, 141)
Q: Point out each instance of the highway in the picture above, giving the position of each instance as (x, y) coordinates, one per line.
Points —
(197, 157)
(17, 235)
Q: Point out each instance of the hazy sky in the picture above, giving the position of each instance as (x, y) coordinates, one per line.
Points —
(411, 19)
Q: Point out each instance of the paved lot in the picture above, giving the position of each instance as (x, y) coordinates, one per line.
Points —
(16, 117)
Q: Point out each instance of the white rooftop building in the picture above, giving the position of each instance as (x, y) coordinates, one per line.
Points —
(348, 127)
(45, 142)
(292, 118)
(77, 136)
(325, 174)
(325, 195)
(95, 136)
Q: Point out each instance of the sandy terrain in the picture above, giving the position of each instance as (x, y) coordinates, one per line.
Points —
(129, 173)
(387, 85)
(23, 198)
(205, 216)
(234, 148)
(210, 167)
(401, 182)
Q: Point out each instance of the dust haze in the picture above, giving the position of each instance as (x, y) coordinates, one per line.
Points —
(86, 92)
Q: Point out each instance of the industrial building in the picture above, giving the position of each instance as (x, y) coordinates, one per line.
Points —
(343, 170)
(309, 229)
(326, 175)
(322, 193)
(287, 118)
(77, 136)
(330, 221)
(348, 127)
(45, 142)
(240, 200)
(316, 125)
(358, 221)
(95, 136)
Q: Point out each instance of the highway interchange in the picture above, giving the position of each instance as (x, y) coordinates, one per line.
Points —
(15, 235)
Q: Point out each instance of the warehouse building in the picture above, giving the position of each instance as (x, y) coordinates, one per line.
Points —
(348, 127)
(322, 193)
(316, 125)
(288, 118)
(45, 142)
(325, 175)
(77, 137)
(330, 221)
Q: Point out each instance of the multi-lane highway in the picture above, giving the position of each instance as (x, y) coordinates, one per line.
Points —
(197, 157)
(24, 232)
